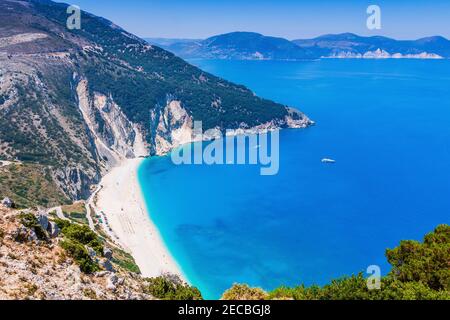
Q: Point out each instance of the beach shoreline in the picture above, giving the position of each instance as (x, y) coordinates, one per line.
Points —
(121, 202)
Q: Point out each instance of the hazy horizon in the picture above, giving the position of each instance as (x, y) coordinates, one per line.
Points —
(374, 35)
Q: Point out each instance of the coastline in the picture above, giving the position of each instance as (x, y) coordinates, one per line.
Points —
(121, 201)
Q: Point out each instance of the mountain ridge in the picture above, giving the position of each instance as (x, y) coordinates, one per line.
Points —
(349, 43)
(239, 45)
(345, 45)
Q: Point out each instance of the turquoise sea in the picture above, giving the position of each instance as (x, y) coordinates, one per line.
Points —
(386, 122)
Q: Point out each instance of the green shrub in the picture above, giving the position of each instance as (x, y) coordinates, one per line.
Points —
(76, 239)
(83, 235)
(81, 256)
(426, 262)
(127, 265)
(396, 290)
(125, 261)
(61, 223)
(346, 288)
(244, 292)
(167, 289)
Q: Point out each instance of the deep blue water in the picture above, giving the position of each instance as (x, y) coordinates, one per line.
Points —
(386, 122)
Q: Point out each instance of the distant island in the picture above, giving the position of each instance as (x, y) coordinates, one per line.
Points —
(255, 46)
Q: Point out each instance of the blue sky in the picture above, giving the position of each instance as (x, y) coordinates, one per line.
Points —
(403, 19)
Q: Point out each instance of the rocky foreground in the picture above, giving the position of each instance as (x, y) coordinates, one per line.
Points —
(34, 268)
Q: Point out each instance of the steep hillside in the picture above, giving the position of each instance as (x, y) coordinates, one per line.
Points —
(77, 102)
(30, 185)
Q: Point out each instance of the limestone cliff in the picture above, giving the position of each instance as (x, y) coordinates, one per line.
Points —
(172, 126)
(114, 136)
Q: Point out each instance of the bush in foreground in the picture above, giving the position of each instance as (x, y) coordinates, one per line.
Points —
(427, 262)
(81, 256)
(83, 235)
(244, 292)
(76, 240)
(166, 288)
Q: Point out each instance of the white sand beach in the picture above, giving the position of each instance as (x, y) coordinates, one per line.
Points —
(121, 201)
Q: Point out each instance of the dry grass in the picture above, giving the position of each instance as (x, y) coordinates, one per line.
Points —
(30, 185)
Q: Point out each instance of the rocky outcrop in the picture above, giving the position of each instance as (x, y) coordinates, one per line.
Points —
(107, 253)
(171, 127)
(53, 229)
(42, 219)
(75, 181)
(8, 203)
(23, 235)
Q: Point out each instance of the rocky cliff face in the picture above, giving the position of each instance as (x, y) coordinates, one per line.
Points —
(39, 122)
(171, 126)
(114, 135)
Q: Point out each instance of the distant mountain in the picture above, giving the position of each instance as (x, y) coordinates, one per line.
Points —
(351, 45)
(239, 46)
(254, 46)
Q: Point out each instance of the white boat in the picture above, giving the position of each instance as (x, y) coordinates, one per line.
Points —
(327, 160)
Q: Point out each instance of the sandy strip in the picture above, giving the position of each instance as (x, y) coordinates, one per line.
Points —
(123, 204)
